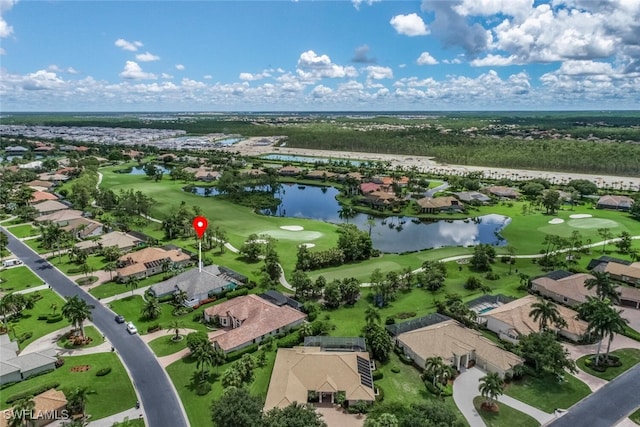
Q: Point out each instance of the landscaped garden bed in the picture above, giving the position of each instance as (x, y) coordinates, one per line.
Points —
(619, 361)
(502, 415)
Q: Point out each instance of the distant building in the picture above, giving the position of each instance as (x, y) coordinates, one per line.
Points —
(48, 407)
(149, 261)
(620, 203)
(502, 192)
(439, 204)
(471, 196)
(49, 206)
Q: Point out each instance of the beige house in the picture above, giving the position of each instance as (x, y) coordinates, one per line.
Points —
(149, 261)
(289, 171)
(621, 203)
(123, 241)
(456, 345)
(60, 216)
(502, 192)
(83, 228)
(249, 319)
(49, 206)
(299, 371)
(48, 407)
(512, 320)
(629, 274)
(439, 204)
(567, 290)
(320, 174)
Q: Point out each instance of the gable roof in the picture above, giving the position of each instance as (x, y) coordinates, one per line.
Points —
(516, 315)
(140, 261)
(632, 271)
(50, 206)
(450, 338)
(258, 316)
(300, 369)
(194, 282)
(616, 201)
(61, 215)
(605, 259)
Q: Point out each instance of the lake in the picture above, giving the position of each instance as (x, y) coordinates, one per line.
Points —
(139, 170)
(391, 234)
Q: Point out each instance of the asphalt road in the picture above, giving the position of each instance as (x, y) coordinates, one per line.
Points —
(607, 406)
(158, 397)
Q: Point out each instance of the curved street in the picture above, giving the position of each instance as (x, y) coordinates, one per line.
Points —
(157, 394)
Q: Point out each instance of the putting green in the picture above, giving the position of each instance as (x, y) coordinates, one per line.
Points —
(293, 235)
(592, 223)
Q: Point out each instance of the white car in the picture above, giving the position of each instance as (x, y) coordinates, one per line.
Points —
(131, 328)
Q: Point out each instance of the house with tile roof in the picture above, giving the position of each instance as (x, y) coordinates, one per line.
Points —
(439, 204)
(149, 261)
(60, 216)
(569, 290)
(49, 406)
(49, 206)
(457, 345)
(82, 228)
(40, 196)
(123, 241)
(502, 192)
(620, 203)
(510, 321)
(249, 319)
(298, 371)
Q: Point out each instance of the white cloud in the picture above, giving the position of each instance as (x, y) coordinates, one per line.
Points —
(147, 57)
(179, 67)
(129, 46)
(409, 25)
(425, 58)
(166, 76)
(42, 80)
(207, 77)
(252, 77)
(312, 67)
(492, 60)
(515, 8)
(2, 51)
(377, 72)
(357, 3)
(5, 29)
(133, 71)
(321, 91)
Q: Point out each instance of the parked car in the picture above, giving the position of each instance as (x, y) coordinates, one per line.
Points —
(120, 318)
(131, 328)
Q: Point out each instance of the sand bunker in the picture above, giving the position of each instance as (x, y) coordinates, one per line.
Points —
(263, 241)
(292, 227)
(556, 221)
(578, 216)
(308, 245)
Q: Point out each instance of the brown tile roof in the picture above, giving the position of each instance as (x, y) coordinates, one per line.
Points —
(259, 317)
(631, 271)
(89, 226)
(40, 183)
(438, 202)
(571, 287)
(516, 314)
(502, 191)
(50, 206)
(63, 215)
(616, 201)
(320, 174)
(629, 293)
(449, 338)
(136, 260)
(40, 196)
(47, 402)
(300, 369)
(369, 187)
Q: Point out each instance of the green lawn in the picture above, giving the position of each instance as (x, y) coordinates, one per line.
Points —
(29, 322)
(130, 423)
(89, 331)
(70, 268)
(546, 394)
(109, 289)
(35, 244)
(18, 278)
(164, 346)
(628, 356)
(506, 417)
(130, 307)
(199, 407)
(635, 417)
(113, 392)
(25, 230)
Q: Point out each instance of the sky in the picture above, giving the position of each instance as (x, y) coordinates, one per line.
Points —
(337, 55)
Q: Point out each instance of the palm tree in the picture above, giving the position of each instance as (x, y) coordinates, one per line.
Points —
(180, 296)
(545, 312)
(77, 400)
(346, 213)
(603, 285)
(151, 309)
(306, 330)
(491, 387)
(603, 320)
(175, 326)
(372, 315)
(22, 411)
(133, 282)
(203, 354)
(76, 310)
(218, 357)
(110, 267)
(371, 222)
(435, 368)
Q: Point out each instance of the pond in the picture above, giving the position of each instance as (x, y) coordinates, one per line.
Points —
(139, 170)
(305, 159)
(391, 234)
(228, 141)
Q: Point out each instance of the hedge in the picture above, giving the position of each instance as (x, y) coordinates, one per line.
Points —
(290, 340)
(30, 393)
(104, 371)
(54, 318)
(378, 375)
(22, 338)
(380, 395)
(237, 293)
(235, 355)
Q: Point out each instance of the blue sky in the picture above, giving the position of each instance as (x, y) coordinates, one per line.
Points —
(302, 55)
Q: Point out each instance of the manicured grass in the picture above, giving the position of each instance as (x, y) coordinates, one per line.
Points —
(164, 346)
(113, 392)
(628, 356)
(635, 417)
(89, 331)
(28, 321)
(68, 267)
(506, 417)
(25, 230)
(198, 408)
(131, 306)
(109, 289)
(130, 423)
(546, 394)
(18, 278)
(36, 245)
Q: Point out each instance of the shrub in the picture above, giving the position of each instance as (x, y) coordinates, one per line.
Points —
(390, 320)
(166, 298)
(380, 395)
(104, 371)
(74, 270)
(378, 375)
(54, 318)
(235, 355)
(290, 340)
(406, 315)
(22, 338)
(43, 317)
(59, 362)
(29, 393)
(154, 328)
(203, 388)
(395, 369)
(492, 276)
(237, 293)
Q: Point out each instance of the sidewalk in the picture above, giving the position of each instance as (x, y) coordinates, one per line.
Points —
(51, 341)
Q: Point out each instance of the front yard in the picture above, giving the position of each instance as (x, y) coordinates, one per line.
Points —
(164, 346)
(546, 394)
(506, 417)
(629, 357)
(17, 279)
(111, 393)
(28, 322)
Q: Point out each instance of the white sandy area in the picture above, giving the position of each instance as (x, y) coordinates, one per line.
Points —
(579, 216)
(259, 241)
(556, 221)
(429, 164)
(292, 227)
(308, 245)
